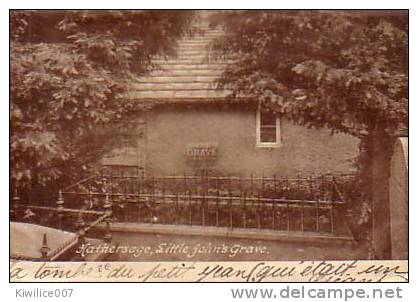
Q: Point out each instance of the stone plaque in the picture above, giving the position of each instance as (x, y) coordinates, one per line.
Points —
(201, 151)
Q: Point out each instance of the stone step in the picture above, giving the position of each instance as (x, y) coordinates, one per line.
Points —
(226, 233)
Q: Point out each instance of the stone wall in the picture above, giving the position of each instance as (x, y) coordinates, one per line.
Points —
(170, 129)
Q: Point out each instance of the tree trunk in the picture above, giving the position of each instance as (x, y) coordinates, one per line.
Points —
(382, 153)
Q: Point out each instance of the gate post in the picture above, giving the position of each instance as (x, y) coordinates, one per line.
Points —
(107, 206)
(60, 209)
(44, 248)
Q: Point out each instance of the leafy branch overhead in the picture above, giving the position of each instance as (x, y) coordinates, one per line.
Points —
(68, 77)
(347, 71)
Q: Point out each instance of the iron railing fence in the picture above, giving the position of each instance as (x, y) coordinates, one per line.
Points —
(80, 222)
(311, 203)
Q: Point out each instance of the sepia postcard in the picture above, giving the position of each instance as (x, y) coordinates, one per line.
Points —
(209, 145)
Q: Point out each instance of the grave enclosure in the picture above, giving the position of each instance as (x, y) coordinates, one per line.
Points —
(264, 207)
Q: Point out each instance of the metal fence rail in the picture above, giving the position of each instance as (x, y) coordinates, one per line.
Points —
(79, 221)
(303, 204)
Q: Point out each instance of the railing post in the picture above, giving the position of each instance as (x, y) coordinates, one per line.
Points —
(302, 217)
(163, 189)
(203, 205)
(80, 223)
(244, 218)
(108, 212)
(60, 210)
(258, 211)
(273, 206)
(287, 216)
(202, 182)
(14, 209)
(152, 198)
(176, 209)
(334, 193)
(317, 225)
(82, 240)
(217, 205)
(44, 248)
(240, 184)
(190, 208)
(329, 184)
(82, 236)
(138, 192)
(231, 220)
(275, 185)
(251, 184)
(184, 183)
(311, 187)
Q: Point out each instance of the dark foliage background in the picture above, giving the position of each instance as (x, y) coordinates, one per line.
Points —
(343, 70)
(68, 75)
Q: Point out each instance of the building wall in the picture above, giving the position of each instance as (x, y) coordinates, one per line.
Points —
(171, 128)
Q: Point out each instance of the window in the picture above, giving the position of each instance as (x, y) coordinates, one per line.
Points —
(267, 130)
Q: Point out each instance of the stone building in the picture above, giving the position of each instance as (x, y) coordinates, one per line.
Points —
(193, 126)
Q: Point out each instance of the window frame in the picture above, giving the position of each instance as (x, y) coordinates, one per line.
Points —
(259, 143)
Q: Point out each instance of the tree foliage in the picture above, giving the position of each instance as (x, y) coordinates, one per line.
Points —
(68, 76)
(344, 70)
